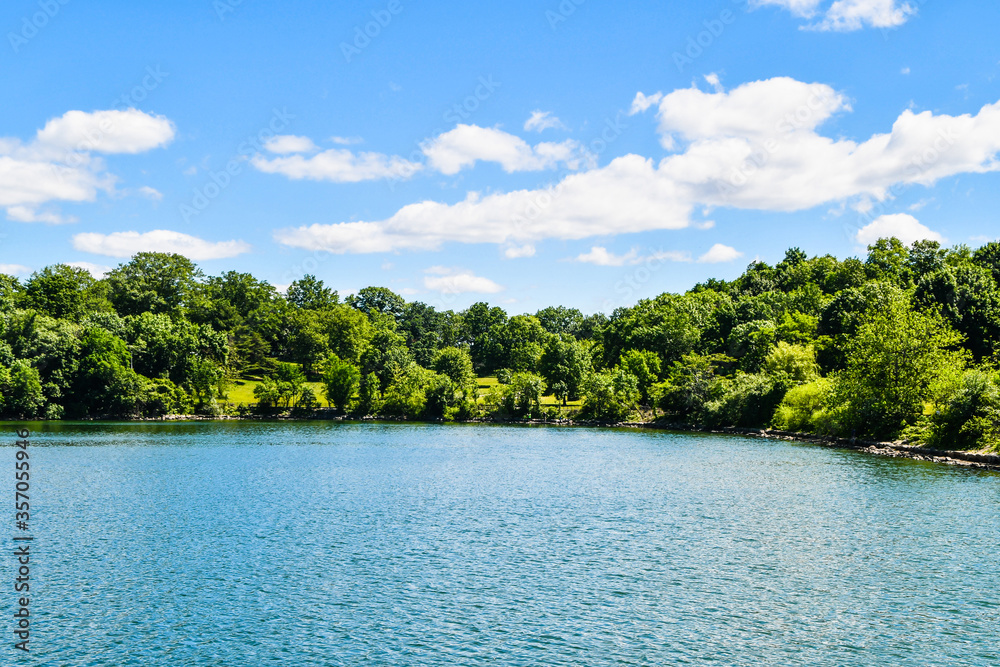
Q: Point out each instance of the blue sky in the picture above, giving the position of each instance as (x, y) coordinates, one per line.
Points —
(527, 153)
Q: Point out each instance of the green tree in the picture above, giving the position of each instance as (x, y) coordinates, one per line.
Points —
(310, 293)
(63, 291)
(566, 362)
(644, 366)
(153, 282)
(342, 380)
(898, 361)
(610, 396)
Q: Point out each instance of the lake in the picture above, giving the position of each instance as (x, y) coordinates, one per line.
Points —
(317, 543)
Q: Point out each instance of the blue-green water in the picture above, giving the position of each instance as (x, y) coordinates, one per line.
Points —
(245, 544)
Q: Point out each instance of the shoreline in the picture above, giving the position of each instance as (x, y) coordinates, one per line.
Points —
(975, 460)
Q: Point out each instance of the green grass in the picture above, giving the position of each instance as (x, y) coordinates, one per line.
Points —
(241, 391)
(487, 383)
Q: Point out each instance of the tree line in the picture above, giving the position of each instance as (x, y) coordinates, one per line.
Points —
(900, 344)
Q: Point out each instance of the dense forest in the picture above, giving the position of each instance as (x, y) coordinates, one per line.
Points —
(902, 344)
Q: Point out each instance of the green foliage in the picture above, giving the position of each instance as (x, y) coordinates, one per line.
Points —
(565, 363)
(875, 347)
(797, 363)
(968, 418)
(806, 408)
(691, 383)
(521, 398)
(610, 396)
(310, 293)
(644, 366)
(746, 400)
(898, 360)
(342, 380)
(62, 291)
(152, 282)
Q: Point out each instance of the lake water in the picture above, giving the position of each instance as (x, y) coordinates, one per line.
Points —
(245, 544)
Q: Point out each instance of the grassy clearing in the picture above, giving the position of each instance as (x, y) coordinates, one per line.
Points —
(487, 383)
(241, 391)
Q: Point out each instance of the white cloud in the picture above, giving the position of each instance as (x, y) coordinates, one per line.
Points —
(28, 214)
(802, 8)
(903, 226)
(519, 251)
(126, 244)
(14, 269)
(339, 166)
(463, 146)
(129, 131)
(58, 165)
(543, 120)
(847, 15)
(151, 193)
(458, 281)
(96, 270)
(719, 254)
(289, 143)
(756, 147)
(346, 141)
(600, 256)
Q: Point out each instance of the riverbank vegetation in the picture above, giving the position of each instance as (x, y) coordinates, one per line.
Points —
(900, 344)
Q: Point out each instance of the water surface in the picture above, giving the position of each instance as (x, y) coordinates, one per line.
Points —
(312, 543)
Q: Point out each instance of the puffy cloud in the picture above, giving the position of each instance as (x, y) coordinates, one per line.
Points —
(519, 251)
(14, 269)
(626, 196)
(757, 147)
(465, 145)
(847, 15)
(458, 281)
(126, 244)
(114, 131)
(600, 256)
(346, 141)
(543, 120)
(903, 226)
(289, 143)
(58, 165)
(719, 254)
(338, 165)
(28, 214)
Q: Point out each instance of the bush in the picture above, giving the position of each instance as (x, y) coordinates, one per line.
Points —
(521, 398)
(610, 396)
(806, 408)
(747, 400)
(969, 418)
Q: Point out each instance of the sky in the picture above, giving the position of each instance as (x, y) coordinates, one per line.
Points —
(526, 153)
